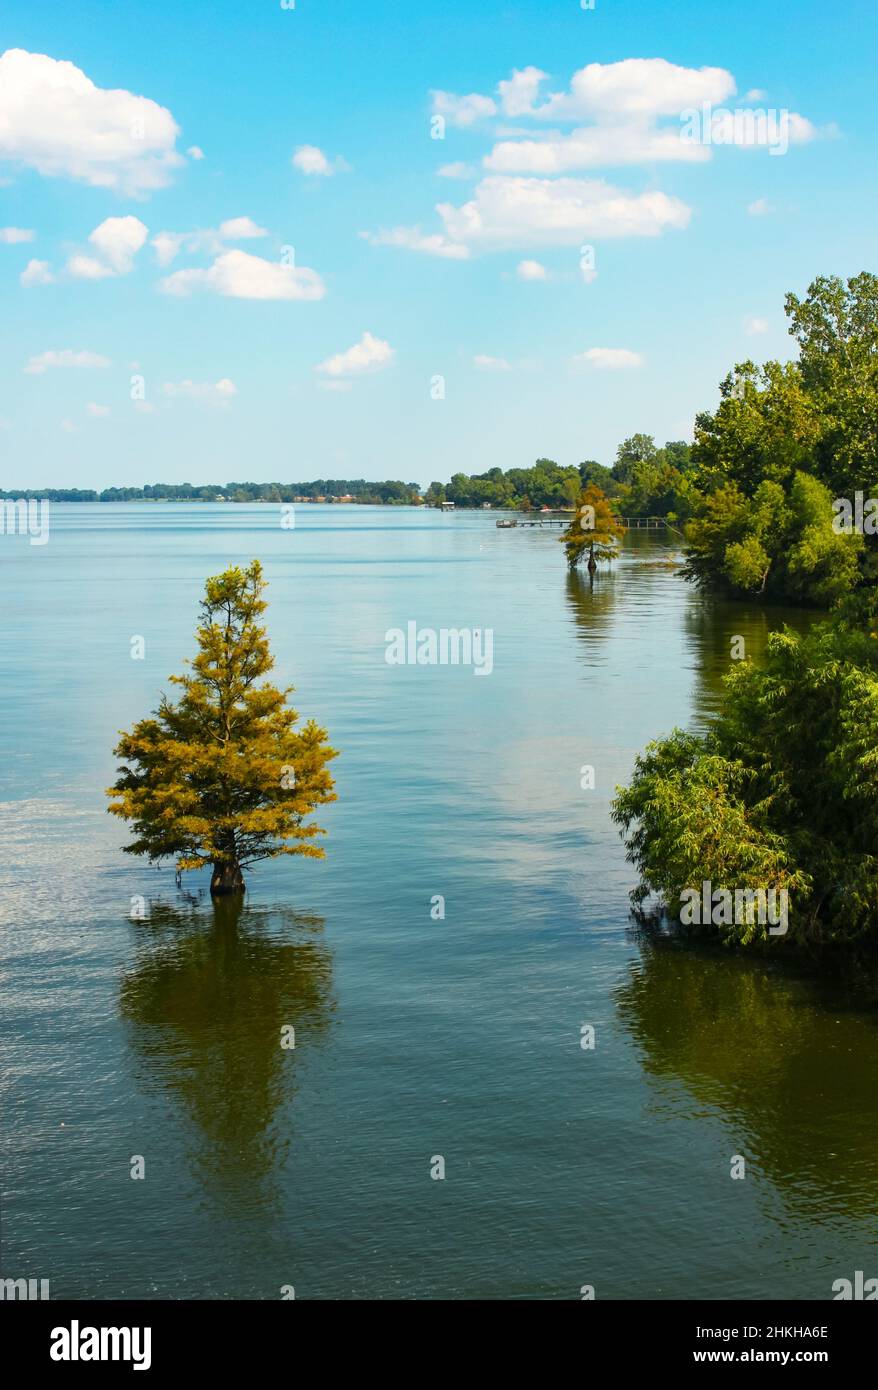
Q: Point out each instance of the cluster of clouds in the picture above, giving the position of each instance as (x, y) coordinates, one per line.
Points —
(54, 119)
(538, 187)
(622, 104)
(337, 372)
(531, 192)
(114, 244)
(219, 393)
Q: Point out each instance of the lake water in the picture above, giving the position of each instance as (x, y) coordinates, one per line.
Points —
(414, 1037)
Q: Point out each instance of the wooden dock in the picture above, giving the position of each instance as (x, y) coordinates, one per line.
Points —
(628, 523)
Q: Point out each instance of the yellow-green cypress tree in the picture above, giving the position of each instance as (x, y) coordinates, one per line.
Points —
(222, 777)
(594, 530)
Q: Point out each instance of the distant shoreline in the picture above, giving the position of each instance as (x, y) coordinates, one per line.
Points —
(48, 495)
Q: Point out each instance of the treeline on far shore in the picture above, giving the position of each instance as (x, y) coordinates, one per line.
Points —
(644, 479)
(323, 490)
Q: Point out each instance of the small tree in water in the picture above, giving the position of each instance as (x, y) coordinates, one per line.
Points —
(222, 777)
(594, 530)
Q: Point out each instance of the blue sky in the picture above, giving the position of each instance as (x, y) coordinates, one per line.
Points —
(141, 259)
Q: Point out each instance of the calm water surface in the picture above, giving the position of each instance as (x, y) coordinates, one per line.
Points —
(414, 1037)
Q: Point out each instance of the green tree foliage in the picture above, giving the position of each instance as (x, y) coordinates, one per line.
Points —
(836, 328)
(547, 484)
(765, 429)
(780, 542)
(594, 530)
(651, 481)
(435, 495)
(639, 448)
(782, 792)
(222, 777)
(774, 425)
(590, 471)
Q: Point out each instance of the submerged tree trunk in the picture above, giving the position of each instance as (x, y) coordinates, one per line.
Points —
(226, 878)
(592, 566)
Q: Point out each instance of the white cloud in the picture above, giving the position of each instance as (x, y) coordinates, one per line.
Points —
(11, 236)
(635, 87)
(370, 354)
(491, 364)
(755, 94)
(66, 357)
(195, 152)
(309, 159)
(518, 93)
(459, 170)
(754, 325)
(168, 245)
(68, 427)
(55, 120)
(610, 359)
(97, 412)
(531, 270)
(240, 229)
(87, 268)
(212, 393)
(594, 147)
(557, 212)
(463, 111)
(759, 208)
(239, 275)
(116, 241)
(622, 103)
(36, 273)
(413, 239)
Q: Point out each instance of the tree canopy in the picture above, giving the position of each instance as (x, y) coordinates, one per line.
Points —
(784, 442)
(222, 778)
(781, 793)
(594, 530)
